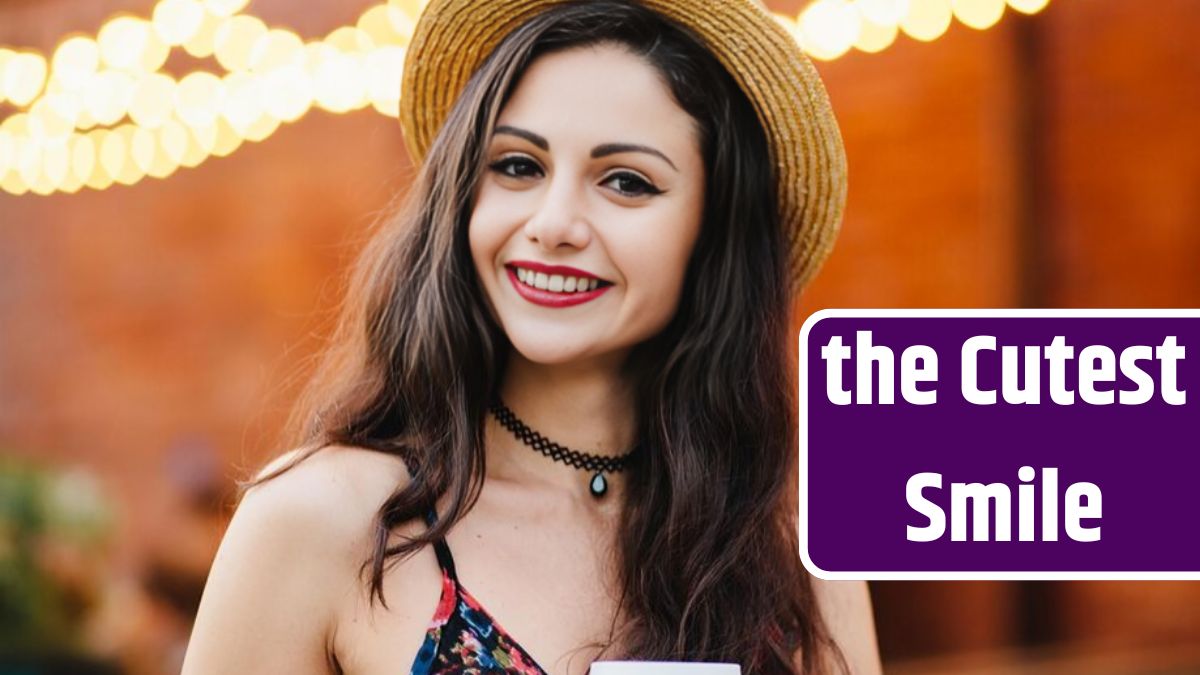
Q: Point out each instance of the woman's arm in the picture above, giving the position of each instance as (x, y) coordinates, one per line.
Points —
(267, 606)
(846, 606)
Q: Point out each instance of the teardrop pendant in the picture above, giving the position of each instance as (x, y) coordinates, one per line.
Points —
(599, 485)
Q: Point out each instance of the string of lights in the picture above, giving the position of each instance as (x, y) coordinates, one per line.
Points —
(101, 110)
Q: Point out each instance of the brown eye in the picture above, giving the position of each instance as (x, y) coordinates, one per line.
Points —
(631, 185)
(516, 167)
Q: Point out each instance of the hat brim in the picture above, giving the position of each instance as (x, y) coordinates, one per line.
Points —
(454, 37)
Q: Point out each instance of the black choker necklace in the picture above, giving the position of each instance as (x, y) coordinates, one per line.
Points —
(597, 464)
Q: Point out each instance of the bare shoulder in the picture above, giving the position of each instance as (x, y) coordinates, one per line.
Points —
(325, 504)
(332, 476)
(846, 607)
(293, 547)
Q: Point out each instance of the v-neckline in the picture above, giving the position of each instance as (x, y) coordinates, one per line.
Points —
(451, 585)
(462, 591)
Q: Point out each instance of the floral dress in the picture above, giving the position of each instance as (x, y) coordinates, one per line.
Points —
(463, 637)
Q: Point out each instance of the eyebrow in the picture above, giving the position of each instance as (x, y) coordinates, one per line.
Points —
(599, 151)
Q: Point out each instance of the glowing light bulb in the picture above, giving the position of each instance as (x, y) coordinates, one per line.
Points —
(198, 99)
(130, 172)
(112, 152)
(350, 40)
(107, 95)
(123, 41)
(227, 140)
(383, 69)
(7, 151)
(1028, 6)
(386, 25)
(56, 161)
(153, 100)
(70, 183)
(337, 85)
(883, 12)
(46, 122)
(927, 19)
(154, 55)
(242, 103)
(6, 55)
(827, 28)
(177, 21)
(85, 119)
(24, 77)
(201, 42)
(67, 104)
(978, 14)
(12, 183)
(205, 137)
(74, 61)
(17, 125)
(83, 156)
(173, 138)
(162, 165)
(262, 128)
(29, 161)
(875, 37)
(225, 8)
(408, 7)
(100, 178)
(42, 185)
(235, 38)
(194, 153)
(142, 144)
(288, 92)
(276, 49)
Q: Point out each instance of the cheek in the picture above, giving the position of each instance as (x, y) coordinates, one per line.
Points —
(660, 264)
(495, 218)
(481, 245)
(485, 237)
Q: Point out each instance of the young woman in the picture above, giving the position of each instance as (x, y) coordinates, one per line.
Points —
(556, 424)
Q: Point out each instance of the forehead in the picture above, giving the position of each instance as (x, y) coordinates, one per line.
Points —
(597, 92)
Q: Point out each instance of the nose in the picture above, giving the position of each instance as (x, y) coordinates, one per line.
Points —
(560, 219)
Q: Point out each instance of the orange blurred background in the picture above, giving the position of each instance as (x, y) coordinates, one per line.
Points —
(155, 334)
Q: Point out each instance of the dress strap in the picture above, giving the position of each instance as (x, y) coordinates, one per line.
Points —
(445, 560)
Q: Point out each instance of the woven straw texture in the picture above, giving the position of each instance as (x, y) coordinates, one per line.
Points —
(454, 37)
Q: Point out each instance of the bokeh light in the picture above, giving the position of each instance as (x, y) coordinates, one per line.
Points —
(978, 14)
(927, 19)
(828, 28)
(102, 109)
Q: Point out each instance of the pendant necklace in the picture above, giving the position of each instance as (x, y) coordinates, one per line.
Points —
(597, 465)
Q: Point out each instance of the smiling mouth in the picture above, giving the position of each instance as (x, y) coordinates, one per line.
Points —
(557, 283)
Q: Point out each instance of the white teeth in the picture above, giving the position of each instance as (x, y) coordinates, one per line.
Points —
(556, 283)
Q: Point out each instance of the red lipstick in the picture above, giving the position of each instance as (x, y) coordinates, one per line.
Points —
(547, 298)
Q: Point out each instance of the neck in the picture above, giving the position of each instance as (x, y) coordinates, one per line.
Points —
(586, 407)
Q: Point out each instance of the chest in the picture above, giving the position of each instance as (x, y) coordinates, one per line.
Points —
(546, 581)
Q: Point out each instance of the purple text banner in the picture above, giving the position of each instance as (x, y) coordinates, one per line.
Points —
(1004, 444)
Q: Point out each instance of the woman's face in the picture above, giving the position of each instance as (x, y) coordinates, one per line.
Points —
(589, 207)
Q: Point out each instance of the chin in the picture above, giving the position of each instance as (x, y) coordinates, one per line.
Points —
(560, 348)
(549, 353)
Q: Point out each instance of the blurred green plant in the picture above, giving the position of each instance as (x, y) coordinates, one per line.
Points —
(54, 526)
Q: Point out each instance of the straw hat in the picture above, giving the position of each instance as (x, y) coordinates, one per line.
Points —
(454, 37)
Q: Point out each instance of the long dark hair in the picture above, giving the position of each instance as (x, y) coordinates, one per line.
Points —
(709, 560)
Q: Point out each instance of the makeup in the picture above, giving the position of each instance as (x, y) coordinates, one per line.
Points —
(554, 285)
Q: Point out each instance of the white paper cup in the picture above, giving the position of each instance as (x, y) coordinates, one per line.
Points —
(663, 668)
